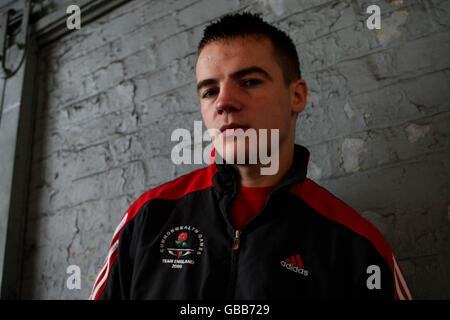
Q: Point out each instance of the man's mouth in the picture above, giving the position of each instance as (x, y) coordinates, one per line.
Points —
(229, 129)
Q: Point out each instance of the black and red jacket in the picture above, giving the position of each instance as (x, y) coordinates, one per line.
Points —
(177, 241)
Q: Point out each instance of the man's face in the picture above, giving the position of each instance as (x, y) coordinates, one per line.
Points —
(241, 85)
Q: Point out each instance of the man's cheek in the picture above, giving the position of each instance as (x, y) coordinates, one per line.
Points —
(208, 117)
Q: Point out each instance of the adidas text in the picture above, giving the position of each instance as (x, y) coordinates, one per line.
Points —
(293, 268)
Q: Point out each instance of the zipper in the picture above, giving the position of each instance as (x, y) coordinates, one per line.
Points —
(237, 239)
(234, 253)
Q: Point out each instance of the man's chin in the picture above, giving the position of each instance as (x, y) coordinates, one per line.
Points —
(237, 152)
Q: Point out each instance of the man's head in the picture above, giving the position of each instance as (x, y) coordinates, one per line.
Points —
(246, 24)
(248, 77)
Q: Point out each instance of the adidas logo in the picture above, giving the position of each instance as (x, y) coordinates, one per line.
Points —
(295, 264)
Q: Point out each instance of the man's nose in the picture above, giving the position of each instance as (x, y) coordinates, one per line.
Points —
(228, 100)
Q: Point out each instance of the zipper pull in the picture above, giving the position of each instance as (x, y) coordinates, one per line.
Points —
(237, 239)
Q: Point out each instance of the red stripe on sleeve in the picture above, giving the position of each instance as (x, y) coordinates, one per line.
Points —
(195, 181)
(334, 209)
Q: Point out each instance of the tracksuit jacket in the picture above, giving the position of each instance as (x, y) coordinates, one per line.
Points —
(177, 241)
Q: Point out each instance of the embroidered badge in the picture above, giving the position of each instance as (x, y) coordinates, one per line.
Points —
(181, 245)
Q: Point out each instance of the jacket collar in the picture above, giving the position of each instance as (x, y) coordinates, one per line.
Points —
(226, 178)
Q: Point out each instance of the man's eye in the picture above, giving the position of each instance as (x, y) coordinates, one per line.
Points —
(251, 82)
(209, 93)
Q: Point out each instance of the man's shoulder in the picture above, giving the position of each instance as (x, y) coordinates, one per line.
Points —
(325, 203)
(196, 180)
(177, 188)
(328, 205)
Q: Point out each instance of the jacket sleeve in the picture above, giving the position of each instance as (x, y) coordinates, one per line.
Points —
(378, 276)
(114, 279)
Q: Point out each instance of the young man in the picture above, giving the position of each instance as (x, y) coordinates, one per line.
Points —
(230, 232)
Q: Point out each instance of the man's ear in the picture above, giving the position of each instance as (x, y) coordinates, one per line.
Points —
(299, 91)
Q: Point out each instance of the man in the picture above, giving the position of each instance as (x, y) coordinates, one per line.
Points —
(229, 231)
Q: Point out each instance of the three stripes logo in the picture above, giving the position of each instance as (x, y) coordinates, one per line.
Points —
(295, 264)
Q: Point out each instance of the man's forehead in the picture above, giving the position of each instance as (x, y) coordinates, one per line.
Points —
(232, 51)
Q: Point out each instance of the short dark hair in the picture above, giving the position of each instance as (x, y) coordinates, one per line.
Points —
(247, 24)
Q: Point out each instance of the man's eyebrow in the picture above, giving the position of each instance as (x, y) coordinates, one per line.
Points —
(205, 83)
(236, 75)
(243, 72)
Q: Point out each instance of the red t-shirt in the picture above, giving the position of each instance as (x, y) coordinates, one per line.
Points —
(248, 203)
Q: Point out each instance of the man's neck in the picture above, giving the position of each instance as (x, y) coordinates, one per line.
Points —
(250, 175)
